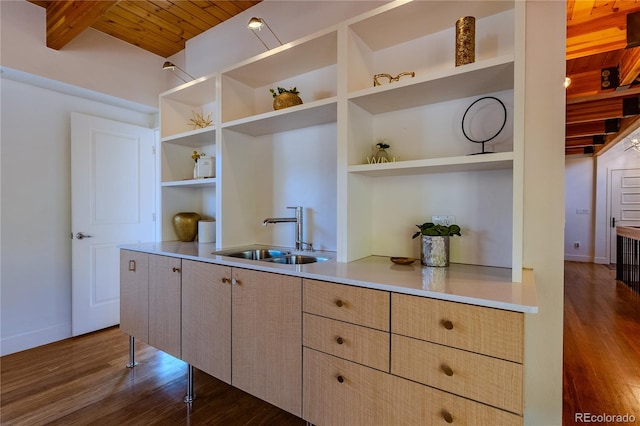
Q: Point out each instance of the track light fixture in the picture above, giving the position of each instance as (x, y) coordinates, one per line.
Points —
(256, 24)
(172, 67)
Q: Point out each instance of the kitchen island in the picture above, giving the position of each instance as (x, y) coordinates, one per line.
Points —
(362, 342)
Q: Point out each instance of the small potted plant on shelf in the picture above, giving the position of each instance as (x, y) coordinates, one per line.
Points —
(435, 243)
(283, 98)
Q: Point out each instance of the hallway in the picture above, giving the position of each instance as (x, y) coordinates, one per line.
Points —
(601, 374)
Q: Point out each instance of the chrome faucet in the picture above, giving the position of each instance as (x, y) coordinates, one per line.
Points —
(298, 221)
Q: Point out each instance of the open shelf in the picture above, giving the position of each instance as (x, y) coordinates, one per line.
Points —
(492, 75)
(194, 138)
(300, 116)
(468, 163)
(191, 183)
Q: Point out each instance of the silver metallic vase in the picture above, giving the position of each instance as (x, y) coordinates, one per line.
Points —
(435, 250)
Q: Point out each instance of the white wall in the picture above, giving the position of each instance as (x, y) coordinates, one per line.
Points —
(614, 159)
(92, 60)
(579, 208)
(35, 279)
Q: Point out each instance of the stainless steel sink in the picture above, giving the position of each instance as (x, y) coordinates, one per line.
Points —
(255, 254)
(296, 259)
(272, 255)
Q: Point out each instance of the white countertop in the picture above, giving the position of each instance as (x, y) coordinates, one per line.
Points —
(477, 285)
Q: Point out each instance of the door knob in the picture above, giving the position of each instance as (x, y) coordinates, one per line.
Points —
(81, 236)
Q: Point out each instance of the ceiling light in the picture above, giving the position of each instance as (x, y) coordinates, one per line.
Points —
(567, 82)
(172, 67)
(256, 24)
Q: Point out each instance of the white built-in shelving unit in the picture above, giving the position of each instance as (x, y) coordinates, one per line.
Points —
(314, 154)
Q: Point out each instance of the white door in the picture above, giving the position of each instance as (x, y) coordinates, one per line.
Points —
(112, 202)
(625, 203)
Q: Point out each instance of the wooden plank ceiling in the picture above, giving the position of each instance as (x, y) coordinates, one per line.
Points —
(598, 116)
(596, 40)
(161, 27)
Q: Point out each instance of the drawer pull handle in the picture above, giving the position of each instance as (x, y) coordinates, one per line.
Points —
(235, 281)
(447, 370)
(339, 303)
(132, 265)
(174, 269)
(226, 281)
(447, 324)
(447, 416)
(339, 340)
(340, 379)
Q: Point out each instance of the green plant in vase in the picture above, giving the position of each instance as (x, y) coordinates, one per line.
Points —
(435, 243)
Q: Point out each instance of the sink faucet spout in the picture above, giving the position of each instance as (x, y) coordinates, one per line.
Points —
(298, 221)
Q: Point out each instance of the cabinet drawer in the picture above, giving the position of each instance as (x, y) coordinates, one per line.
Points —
(340, 392)
(490, 380)
(356, 305)
(488, 331)
(352, 342)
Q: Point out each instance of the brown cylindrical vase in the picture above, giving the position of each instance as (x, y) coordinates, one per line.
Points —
(186, 225)
(465, 40)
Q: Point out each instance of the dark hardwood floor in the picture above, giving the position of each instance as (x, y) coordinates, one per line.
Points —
(83, 380)
(601, 345)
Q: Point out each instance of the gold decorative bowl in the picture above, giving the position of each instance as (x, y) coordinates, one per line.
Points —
(402, 260)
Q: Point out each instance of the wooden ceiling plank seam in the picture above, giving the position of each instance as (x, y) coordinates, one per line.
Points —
(182, 14)
(629, 66)
(164, 25)
(215, 11)
(135, 23)
(166, 16)
(191, 7)
(196, 16)
(65, 20)
(231, 7)
(119, 29)
(570, 6)
(581, 10)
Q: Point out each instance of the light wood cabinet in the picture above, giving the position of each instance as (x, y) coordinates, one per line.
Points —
(340, 392)
(482, 378)
(134, 294)
(206, 318)
(492, 332)
(267, 337)
(349, 341)
(356, 305)
(165, 292)
(434, 361)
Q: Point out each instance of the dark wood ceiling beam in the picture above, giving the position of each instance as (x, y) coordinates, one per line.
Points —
(592, 128)
(629, 66)
(594, 111)
(579, 142)
(67, 19)
(574, 151)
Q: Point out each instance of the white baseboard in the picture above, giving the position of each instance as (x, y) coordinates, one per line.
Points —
(578, 258)
(601, 260)
(34, 338)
